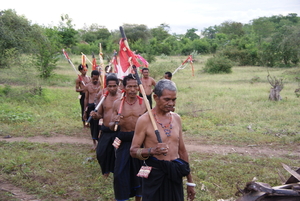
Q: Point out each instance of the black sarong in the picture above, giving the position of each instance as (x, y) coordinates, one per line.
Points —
(105, 151)
(149, 97)
(94, 124)
(81, 101)
(165, 180)
(126, 183)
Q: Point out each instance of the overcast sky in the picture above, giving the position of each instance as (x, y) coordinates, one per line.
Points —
(180, 15)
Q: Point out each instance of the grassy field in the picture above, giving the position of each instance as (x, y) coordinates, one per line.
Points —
(215, 110)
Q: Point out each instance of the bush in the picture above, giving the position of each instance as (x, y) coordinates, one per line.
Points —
(243, 57)
(218, 64)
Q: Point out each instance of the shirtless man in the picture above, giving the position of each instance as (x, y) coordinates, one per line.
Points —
(89, 104)
(168, 75)
(147, 83)
(80, 87)
(169, 159)
(126, 183)
(105, 150)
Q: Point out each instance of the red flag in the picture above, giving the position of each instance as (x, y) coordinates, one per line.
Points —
(94, 67)
(118, 68)
(144, 61)
(126, 54)
(83, 62)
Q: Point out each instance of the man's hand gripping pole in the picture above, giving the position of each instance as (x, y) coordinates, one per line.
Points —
(97, 107)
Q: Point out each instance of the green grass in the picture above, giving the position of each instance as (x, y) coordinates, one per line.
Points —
(215, 109)
(70, 172)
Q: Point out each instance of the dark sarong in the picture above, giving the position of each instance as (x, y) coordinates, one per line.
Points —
(94, 124)
(149, 97)
(81, 101)
(165, 180)
(126, 183)
(105, 151)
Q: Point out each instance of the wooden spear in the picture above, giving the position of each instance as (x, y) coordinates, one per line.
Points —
(142, 89)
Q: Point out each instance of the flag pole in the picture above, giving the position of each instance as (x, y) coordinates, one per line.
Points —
(142, 89)
(70, 62)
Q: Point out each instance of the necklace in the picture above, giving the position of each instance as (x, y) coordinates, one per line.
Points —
(95, 88)
(130, 103)
(167, 128)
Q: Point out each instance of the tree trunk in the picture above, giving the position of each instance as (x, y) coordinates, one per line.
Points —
(275, 93)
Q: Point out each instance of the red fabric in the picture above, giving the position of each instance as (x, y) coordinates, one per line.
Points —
(94, 67)
(125, 53)
(140, 100)
(115, 63)
(83, 62)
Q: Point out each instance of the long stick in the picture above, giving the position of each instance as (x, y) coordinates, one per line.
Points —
(120, 110)
(102, 67)
(70, 62)
(147, 105)
(142, 90)
(86, 58)
(292, 172)
(97, 107)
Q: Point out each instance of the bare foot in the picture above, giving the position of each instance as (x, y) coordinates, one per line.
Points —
(94, 147)
(106, 175)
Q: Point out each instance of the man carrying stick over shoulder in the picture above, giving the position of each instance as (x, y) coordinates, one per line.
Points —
(89, 104)
(166, 163)
(105, 150)
(126, 183)
(80, 86)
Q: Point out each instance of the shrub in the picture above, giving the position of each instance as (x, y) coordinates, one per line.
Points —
(218, 64)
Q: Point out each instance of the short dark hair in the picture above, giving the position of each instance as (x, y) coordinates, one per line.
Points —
(80, 67)
(128, 77)
(112, 78)
(169, 74)
(161, 85)
(145, 69)
(95, 72)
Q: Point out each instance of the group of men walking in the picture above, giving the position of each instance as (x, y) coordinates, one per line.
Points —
(128, 146)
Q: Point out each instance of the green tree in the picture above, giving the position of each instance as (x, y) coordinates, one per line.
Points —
(201, 46)
(191, 34)
(210, 32)
(47, 47)
(232, 29)
(93, 33)
(262, 28)
(15, 32)
(161, 32)
(67, 31)
(134, 32)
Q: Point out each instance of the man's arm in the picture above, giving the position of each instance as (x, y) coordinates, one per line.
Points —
(153, 82)
(114, 115)
(77, 86)
(139, 137)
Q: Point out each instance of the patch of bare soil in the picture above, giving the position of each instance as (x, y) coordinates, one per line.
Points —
(14, 192)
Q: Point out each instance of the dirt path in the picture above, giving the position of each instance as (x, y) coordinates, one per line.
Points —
(191, 145)
(15, 192)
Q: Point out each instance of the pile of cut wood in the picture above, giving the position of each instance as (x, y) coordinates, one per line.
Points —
(257, 191)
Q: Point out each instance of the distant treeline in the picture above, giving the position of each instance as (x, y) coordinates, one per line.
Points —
(265, 41)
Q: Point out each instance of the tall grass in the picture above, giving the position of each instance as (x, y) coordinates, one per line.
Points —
(229, 109)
